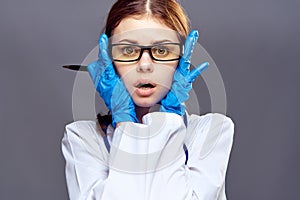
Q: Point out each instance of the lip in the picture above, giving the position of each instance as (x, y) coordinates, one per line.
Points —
(142, 91)
(144, 81)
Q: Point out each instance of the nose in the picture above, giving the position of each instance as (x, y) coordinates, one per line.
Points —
(145, 64)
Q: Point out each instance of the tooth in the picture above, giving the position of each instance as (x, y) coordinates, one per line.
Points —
(140, 85)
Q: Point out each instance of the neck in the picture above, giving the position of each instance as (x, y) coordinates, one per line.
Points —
(140, 112)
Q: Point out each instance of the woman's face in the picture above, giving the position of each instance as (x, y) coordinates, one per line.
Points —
(147, 80)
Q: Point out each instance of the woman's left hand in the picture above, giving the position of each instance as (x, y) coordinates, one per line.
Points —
(183, 79)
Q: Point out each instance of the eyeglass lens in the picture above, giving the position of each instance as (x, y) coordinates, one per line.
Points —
(160, 52)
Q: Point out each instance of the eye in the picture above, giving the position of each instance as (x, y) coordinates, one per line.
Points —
(160, 51)
(129, 51)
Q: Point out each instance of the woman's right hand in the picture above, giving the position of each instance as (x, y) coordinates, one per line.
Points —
(110, 87)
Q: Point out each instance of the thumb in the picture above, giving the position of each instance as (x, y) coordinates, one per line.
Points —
(93, 69)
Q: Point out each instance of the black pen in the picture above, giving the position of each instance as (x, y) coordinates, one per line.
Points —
(76, 67)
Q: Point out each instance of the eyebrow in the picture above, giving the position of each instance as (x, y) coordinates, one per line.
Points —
(136, 42)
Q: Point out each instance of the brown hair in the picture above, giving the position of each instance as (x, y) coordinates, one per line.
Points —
(169, 12)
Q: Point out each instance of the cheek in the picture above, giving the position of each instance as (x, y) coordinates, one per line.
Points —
(164, 74)
(127, 74)
(117, 68)
(121, 71)
(125, 68)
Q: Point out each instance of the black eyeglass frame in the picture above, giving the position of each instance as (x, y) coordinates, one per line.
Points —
(148, 48)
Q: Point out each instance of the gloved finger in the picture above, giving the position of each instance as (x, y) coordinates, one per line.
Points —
(190, 43)
(197, 71)
(189, 46)
(103, 51)
(109, 71)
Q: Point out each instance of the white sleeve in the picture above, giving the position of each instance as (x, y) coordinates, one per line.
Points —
(210, 139)
(86, 160)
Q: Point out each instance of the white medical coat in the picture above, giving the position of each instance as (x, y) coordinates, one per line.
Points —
(147, 161)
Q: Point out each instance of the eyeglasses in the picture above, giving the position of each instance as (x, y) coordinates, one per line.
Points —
(133, 52)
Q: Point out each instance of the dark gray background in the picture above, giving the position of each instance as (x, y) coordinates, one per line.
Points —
(254, 43)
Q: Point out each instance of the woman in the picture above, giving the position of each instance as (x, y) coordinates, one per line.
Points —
(165, 154)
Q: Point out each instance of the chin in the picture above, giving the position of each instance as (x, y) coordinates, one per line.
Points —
(146, 103)
(150, 101)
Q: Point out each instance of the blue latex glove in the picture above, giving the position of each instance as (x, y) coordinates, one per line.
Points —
(183, 79)
(110, 86)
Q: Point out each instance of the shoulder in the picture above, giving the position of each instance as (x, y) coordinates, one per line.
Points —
(210, 131)
(84, 136)
(214, 123)
(82, 128)
(211, 120)
(88, 131)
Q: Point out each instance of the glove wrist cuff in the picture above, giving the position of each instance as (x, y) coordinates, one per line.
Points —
(124, 117)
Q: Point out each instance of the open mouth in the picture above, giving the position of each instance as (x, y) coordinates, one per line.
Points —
(145, 88)
(145, 85)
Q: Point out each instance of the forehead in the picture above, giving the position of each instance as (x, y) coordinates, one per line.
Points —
(143, 30)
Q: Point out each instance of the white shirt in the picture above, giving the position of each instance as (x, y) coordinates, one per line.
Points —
(147, 161)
